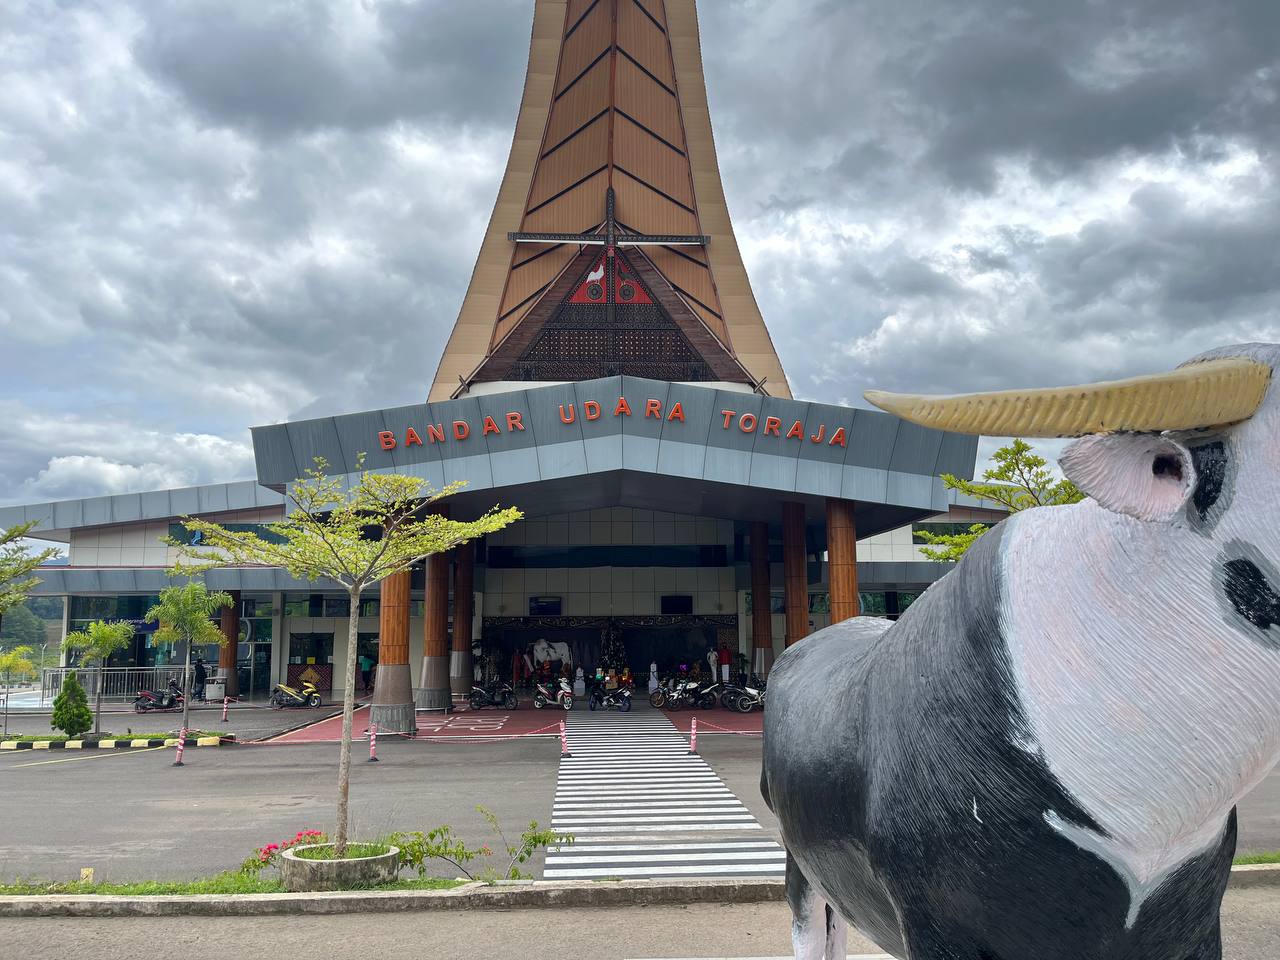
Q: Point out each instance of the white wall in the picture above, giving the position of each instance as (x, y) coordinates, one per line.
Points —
(141, 544)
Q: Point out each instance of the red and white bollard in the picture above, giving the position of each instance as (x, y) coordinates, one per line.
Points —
(225, 701)
(373, 743)
(564, 742)
(182, 745)
(693, 735)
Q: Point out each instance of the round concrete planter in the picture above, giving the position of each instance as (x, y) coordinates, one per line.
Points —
(301, 875)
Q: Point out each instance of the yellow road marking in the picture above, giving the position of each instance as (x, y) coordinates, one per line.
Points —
(102, 755)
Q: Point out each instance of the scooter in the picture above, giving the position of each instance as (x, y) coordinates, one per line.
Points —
(286, 696)
(148, 702)
(749, 699)
(562, 697)
(602, 699)
(496, 694)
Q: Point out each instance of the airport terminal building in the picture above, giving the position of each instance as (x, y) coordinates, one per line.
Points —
(609, 374)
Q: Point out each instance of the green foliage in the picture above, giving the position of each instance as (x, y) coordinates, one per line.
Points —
(21, 627)
(71, 708)
(1020, 480)
(17, 563)
(100, 641)
(355, 536)
(233, 881)
(953, 545)
(418, 849)
(1268, 856)
(16, 664)
(354, 851)
(185, 614)
(269, 856)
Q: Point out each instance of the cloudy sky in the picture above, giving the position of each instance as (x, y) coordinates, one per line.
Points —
(215, 214)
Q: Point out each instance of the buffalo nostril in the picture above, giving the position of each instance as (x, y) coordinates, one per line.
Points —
(1167, 465)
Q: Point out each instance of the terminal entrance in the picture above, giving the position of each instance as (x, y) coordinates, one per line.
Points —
(520, 648)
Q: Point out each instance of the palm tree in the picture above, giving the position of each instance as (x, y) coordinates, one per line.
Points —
(185, 614)
(100, 642)
(16, 660)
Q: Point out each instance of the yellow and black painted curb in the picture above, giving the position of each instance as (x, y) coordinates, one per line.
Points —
(120, 743)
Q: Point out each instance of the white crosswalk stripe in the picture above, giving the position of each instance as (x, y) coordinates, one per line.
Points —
(640, 805)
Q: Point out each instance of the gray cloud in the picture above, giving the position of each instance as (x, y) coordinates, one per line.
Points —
(219, 215)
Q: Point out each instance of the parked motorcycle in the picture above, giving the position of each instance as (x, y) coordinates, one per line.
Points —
(170, 699)
(602, 699)
(545, 694)
(683, 693)
(709, 695)
(750, 698)
(284, 695)
(496, 694)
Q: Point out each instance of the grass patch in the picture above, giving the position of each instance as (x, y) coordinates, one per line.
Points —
(62, 737)
(233, 881)
(354, 851)
(1267, 856)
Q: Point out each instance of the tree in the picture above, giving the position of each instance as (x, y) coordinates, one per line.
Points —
(100, 642)
(21, 627)
(71, 708)
(354, 536)
(16, 661)
(16, 566)
(185, 615)
(1020, 480)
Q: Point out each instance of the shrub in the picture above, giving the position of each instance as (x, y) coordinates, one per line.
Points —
(71, 712)
(418, 848)
(269, 856)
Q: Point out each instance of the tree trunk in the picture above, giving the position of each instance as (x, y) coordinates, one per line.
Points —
(186, 687)
(348, 707)
(97, 700)
(7, 684)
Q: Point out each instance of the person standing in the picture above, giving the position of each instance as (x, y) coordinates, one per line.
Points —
(366, 669)
(725, 659)
(712, 659)
(202, 677)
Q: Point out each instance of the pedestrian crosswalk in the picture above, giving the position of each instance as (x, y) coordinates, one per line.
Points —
(640, 805)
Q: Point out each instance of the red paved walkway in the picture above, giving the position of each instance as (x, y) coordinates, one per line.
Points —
(709, 720)
(463, 723)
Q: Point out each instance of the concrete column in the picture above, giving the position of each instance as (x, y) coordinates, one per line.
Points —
(230, 626)
(464, 565)
(434, 692)
(842, 559)
(795, 577)
(761, 620)
(392, 708)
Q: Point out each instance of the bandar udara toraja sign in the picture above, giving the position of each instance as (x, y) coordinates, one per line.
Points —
(513, 421)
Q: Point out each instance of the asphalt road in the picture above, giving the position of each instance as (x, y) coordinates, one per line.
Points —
(1252, 932)
(131, 815)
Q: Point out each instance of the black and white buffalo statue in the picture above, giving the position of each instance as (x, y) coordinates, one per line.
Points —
(1042, 758)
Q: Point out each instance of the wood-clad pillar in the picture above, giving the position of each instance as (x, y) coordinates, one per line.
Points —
(228, 654)
(434, 692)
(464, 565)
(761, 619)
(795, 577)
(392, 708)
(842, 559)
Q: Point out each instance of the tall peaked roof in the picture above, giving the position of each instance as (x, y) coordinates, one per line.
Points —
(612, 180)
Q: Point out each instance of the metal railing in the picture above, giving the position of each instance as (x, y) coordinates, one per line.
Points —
(118, 683)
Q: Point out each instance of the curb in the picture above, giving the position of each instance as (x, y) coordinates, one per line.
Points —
(472, 896)
(121, 743)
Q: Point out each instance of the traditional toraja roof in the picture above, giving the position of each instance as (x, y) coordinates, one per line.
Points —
(613, 155)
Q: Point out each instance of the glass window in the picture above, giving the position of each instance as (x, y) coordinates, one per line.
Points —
(311, 648)
(872, 605)
(906, 599)
(337, 607)
(819, 603)
(297, 605)
(369, 607)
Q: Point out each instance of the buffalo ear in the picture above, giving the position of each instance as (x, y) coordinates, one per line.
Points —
(1144, 475)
